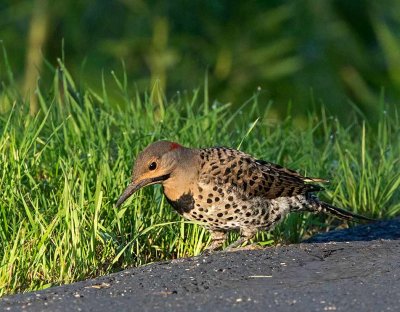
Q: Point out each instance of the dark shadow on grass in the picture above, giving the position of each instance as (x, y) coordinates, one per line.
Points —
(386, 229)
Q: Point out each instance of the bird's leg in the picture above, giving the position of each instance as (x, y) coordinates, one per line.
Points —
(245, 236)
(217, 239)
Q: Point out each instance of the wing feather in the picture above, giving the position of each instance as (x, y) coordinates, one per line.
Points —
(249, 177)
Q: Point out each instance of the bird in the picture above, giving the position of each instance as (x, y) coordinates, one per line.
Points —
(226, 189)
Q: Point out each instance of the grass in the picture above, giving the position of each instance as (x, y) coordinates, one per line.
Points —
(62, 171)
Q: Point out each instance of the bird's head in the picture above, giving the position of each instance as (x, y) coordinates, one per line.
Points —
(153, 165)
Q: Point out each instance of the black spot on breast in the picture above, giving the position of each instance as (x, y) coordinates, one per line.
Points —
(185, 203)
(263, 211)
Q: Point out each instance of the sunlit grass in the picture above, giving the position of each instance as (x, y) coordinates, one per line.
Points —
(62, 171)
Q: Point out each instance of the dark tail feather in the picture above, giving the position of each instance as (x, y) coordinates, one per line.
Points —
(339, 212)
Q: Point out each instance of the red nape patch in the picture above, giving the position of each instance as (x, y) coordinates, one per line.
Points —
(175, 145)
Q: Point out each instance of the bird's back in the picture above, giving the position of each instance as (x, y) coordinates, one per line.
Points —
(241, 173)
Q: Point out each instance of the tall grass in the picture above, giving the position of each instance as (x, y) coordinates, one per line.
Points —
(62, 171)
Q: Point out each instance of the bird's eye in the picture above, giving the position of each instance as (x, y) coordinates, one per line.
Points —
(153, 166)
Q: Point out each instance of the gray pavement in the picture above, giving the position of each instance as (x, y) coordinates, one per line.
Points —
(355, 269)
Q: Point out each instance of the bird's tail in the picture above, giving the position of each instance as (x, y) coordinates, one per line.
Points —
(338, 212)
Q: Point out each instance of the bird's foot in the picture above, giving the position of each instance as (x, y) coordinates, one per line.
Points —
(207, 252)
(235, 245)
(217, 240)
(244, 239)
(213, 247)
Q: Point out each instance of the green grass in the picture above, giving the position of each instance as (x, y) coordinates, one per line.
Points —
(62, 171)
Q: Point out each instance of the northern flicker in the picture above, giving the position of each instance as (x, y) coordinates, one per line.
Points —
(226, 189)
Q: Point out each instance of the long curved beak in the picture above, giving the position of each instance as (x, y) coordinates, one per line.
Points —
(132, 188)
(135, 186)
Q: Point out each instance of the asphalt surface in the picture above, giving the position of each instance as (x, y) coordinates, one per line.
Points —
(356, 269)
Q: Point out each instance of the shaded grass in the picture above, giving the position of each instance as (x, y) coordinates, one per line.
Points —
(62, 171)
